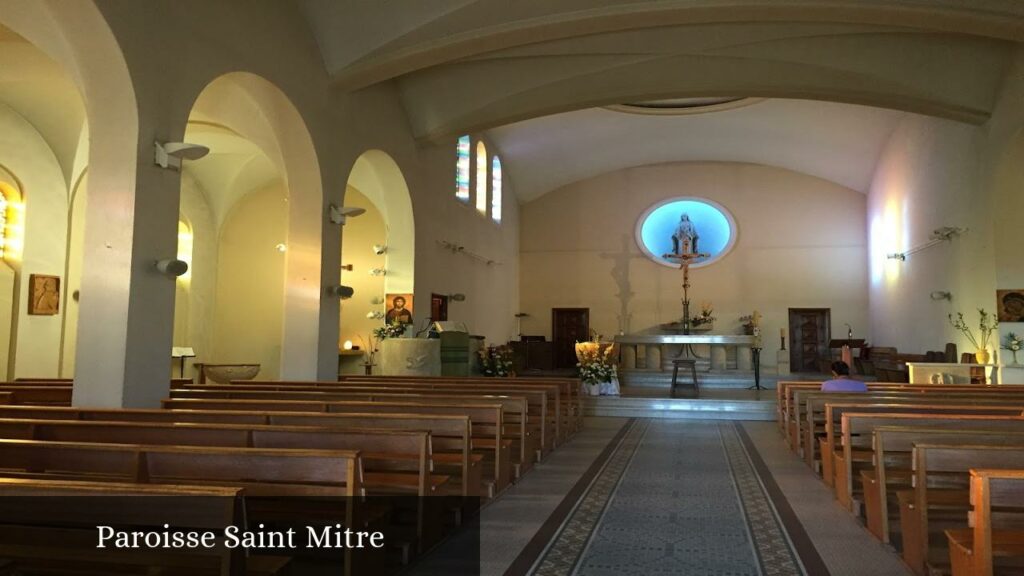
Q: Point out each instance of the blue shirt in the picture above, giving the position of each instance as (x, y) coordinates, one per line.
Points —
(843, 385)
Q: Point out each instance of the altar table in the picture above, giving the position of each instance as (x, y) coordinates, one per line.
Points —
(659, 349)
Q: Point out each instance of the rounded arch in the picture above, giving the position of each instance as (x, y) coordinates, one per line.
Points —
(242, 106)
(377, 176)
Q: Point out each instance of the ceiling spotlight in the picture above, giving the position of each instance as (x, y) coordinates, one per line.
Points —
(170, 154)
(341, 215)
(897, 256)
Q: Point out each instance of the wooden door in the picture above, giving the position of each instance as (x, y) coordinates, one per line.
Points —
(438, 307)
(809, 332)
(568, 326)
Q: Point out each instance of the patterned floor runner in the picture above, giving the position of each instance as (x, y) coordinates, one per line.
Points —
(675, 497)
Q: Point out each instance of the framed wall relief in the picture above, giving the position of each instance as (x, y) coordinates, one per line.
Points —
(44, 295)
(1010, 305)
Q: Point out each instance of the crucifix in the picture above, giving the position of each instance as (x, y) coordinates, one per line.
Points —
(685, 258)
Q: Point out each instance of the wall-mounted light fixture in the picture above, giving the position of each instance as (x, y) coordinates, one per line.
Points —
(941, 295)
(171, 267)
(170, 154)
(341, 291)
(378, 272)
(375, 315)
(379, 249)
(457, 297)
(938, 236)
(346, 267)
(282, 248)
(341, 215)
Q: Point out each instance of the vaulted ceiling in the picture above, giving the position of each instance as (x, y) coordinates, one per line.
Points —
(534, 75)
(470, 65)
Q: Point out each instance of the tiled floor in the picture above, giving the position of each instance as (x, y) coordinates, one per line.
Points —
(843, 543)
(521, 519)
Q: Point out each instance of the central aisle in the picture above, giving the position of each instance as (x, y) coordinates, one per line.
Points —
(675, 498)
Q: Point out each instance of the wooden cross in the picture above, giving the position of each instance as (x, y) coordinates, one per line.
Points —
(685, 258)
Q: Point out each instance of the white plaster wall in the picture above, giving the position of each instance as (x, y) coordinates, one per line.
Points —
(939, 173)
(801, 244)
(359, 236)
(195, 299)
(248, 318)
(36, 339)
(492, 292)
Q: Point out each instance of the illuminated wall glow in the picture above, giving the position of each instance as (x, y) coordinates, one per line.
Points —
(462, 169)
(715, 227)
(496, 190)
(12, 227)
(185, 243)
(888, 236)
(481, 178)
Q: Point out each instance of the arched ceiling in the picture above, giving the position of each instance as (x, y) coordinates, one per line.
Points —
(837, 142)
(471, 65)
(38, 89)
(233, 168)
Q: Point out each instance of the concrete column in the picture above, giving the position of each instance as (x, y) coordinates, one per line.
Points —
(718, 357)
(743, 358)
(126, 317)
(628, 356)
(654, 357)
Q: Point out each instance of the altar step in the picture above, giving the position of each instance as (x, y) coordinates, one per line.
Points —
(731, 379)
(707, 408)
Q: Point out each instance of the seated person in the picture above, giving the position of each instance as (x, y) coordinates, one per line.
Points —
(841, 381)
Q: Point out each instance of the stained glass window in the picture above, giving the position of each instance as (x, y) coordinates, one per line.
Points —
(481, 178)
(462, 169)
(496, 189)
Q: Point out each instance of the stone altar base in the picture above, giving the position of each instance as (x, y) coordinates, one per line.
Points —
(709, 379)
(713, 404)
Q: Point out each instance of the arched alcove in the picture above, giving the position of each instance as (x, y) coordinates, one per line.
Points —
(380, 187)
(254, 207)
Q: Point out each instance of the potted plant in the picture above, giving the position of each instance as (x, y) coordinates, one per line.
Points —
(986, 326)
(596, 363)
(1014, 344)
(704, 321)
(496, 361)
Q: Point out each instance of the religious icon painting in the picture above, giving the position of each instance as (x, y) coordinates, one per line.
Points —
(399, 308)
(44, 295)
(1010, 305)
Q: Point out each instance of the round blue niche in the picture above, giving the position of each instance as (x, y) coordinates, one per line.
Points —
(711, 227)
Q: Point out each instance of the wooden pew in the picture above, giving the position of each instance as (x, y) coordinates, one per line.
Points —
(570, 391)
(5, 398)
(394, 461)
(854, 448)
(29, 525)
(527, 433)
(451, 434)
(264, 473)
(812, 416)
(893, 448)
(941, 495)
(833, 411)
(791, 413)
(543, 401)
(487, 420)
(996, 534)
(42, 395)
